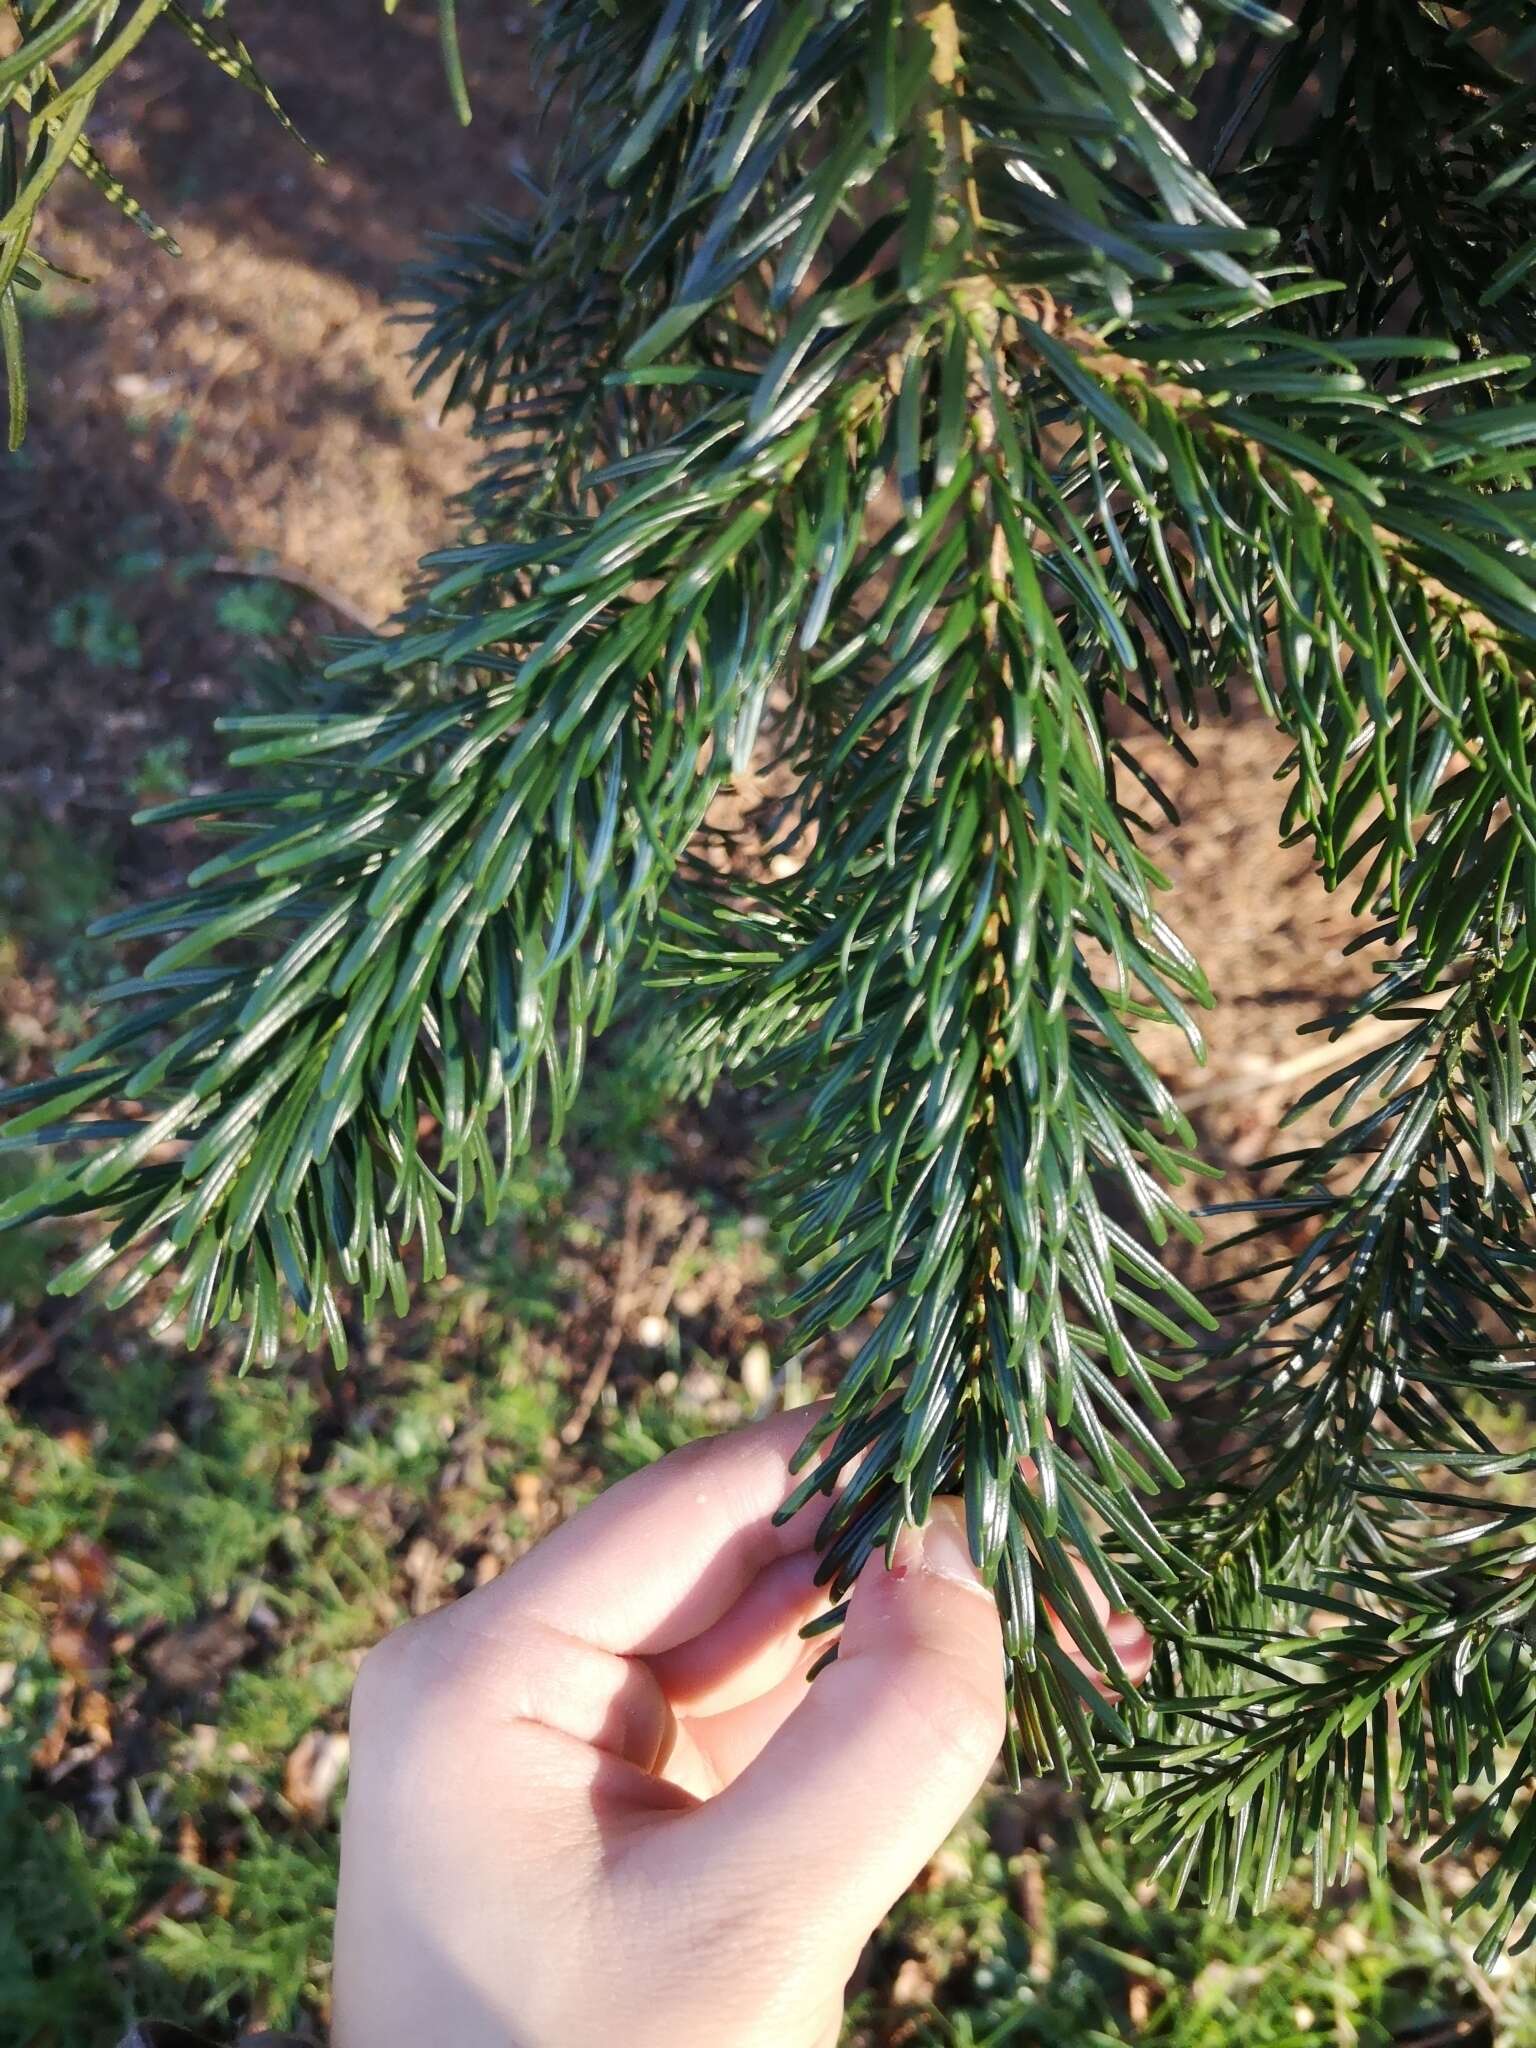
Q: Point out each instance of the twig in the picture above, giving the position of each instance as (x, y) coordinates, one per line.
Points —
(1450, 2032)
(618, 1311)
(277, 572)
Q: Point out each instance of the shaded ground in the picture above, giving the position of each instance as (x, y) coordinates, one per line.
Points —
(251, 398)
(190, 1567)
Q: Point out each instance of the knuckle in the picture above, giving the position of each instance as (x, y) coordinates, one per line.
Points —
(393, 1677)
(376, 1684)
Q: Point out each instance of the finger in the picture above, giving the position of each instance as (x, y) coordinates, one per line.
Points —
(1129, 1641)
(465, 1675)
(663, 1555)
(1095, 1596)
(1132, 1645)
(1093, 1592)
(750, 1648)
(865, 1778)
(728, 1742)
(1127, 1638)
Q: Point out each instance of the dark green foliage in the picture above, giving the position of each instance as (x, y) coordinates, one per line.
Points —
(889, 395)
(1390, 145)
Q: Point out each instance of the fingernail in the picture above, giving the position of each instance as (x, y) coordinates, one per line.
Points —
(942, 1547)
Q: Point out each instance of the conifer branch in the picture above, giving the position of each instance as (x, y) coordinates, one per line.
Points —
(889, 389)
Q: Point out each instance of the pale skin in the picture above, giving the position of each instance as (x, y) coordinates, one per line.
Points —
(596, 1801)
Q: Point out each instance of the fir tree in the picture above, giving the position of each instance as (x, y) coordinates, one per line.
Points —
(946, 404)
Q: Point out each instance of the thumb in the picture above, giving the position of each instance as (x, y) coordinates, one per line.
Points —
(861, 1784)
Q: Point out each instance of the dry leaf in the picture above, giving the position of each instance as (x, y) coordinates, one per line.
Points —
(423, 1569)
(314, 1770)
(46, 1754)
(94, 1715)
(80, 1568)
(914, 1985)
(184, 1901)
(70, 1649)
(188, 1659)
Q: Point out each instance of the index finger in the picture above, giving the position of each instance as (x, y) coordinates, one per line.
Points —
(664, 1554)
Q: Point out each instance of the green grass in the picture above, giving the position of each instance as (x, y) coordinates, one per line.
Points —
(241, 1542)
(53, 882)
(256, 610)
(92, 625)
(252, 1537)
(1072, 1946)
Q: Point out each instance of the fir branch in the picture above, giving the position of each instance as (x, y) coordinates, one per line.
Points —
(445, 884)
(1408, 176)
(893, 382)
(1373, 1356)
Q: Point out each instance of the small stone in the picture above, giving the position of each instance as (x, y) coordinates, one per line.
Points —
(757, 1372)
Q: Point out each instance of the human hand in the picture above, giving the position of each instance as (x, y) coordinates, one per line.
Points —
(596, 1801)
